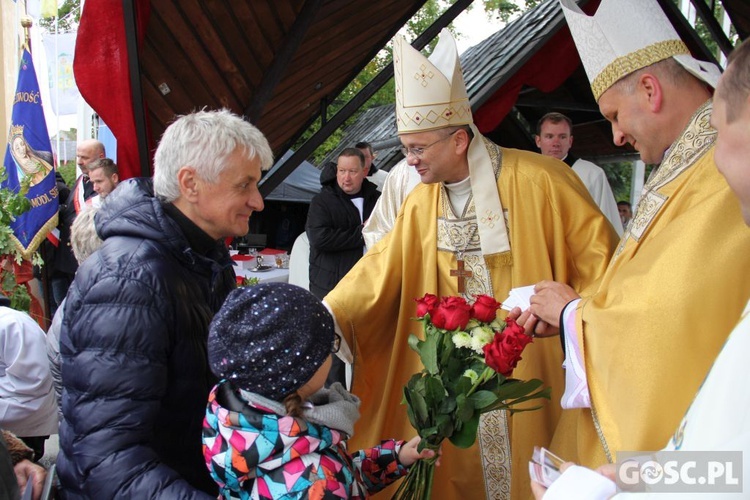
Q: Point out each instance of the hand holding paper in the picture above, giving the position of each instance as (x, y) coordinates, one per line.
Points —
(519, 297)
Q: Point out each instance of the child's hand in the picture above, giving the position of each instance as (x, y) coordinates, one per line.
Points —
(409, 454)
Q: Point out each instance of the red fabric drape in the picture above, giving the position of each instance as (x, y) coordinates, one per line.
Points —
(547, 69)
(102, 73)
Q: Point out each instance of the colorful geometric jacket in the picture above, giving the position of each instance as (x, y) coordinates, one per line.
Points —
(254, 453)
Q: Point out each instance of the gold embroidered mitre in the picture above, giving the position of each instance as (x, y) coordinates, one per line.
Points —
(625, 36)
(430, 93)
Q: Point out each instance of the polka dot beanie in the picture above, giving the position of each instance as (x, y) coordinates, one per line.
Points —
(270, 338)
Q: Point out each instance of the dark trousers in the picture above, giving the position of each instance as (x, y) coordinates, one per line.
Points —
(36, 443)
(59, 284)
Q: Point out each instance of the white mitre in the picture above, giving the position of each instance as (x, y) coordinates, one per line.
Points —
(625, 36)
(430, 95)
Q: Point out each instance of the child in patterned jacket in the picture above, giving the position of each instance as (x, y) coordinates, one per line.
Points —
(271, 430)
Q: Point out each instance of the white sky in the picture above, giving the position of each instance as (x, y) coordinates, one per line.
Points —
(474, 27)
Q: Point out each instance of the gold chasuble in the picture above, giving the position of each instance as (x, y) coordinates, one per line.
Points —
(556, 232)
(671, 295)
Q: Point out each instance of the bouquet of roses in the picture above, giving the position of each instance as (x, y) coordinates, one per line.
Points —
(468, 356)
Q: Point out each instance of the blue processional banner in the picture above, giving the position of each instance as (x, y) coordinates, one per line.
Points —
(29, 155)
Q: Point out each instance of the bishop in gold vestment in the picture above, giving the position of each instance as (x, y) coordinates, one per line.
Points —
(674, 290)
(555, 231)
(678, 280)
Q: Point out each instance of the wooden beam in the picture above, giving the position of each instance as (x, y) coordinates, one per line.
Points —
(139, 115)
(682, 26)
(706, 13)
(275, 72)
(270, 182)
(559, 105)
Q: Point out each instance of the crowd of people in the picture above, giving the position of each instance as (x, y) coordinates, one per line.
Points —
(165, 380)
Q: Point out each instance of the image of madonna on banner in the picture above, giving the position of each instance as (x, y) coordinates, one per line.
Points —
(28, 161)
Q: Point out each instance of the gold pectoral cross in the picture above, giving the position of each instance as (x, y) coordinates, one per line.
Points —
(461, 274)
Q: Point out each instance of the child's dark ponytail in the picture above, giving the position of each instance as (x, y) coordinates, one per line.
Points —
(293, 405)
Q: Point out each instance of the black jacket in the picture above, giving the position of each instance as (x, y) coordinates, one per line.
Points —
(335, 231)
(64, 260)
(134, 364)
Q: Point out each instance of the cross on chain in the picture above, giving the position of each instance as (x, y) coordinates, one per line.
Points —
(461, 274)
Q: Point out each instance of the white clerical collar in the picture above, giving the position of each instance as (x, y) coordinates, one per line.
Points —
(460, 188)
(459, 194)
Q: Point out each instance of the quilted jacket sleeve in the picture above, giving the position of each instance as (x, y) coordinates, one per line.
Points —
(378, 467)
(115, 345)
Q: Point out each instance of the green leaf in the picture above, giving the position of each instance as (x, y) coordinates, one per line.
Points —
(428, 432)
(483, 399)
(447, 405)
(464, 408)
(412, 418)
(447, 350)
(434, 391)
(463, 385)
(414, 343)
(428, 354)
(445, 425)
(420, 409)
(466, 436)
(522, 392)
(513, 389)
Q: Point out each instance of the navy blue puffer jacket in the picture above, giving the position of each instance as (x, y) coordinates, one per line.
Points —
(134, 365)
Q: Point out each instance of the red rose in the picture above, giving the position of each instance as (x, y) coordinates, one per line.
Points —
(485, 308)
(452, 313)
(426, 304)
(504, 352)
(513, 328)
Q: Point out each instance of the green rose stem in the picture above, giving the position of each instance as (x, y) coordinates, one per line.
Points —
(418, 484)
(486, 375)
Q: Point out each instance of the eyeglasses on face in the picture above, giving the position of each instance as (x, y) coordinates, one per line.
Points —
(418, 152)
(336, 344)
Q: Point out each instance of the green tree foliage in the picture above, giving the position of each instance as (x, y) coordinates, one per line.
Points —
(620, 177)
(431, 10)
(705, 35)
(68, 17)
(12, 204)
(424, 18)
(507, 9)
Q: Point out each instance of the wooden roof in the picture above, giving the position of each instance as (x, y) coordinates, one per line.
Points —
(489, 68)
(280, 63)
(277, 63)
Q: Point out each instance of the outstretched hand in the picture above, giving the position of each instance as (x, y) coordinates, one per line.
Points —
(532, 326)
(549, 299)
(409, 454)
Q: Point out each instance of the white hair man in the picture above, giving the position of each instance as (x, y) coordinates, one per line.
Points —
(133, 342)
(456, 219)
(637, 348)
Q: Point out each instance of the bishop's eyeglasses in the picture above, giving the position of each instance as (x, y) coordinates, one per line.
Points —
(418, 152)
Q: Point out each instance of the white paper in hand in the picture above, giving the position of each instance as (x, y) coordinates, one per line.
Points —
(544, 467)
(519, 297)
